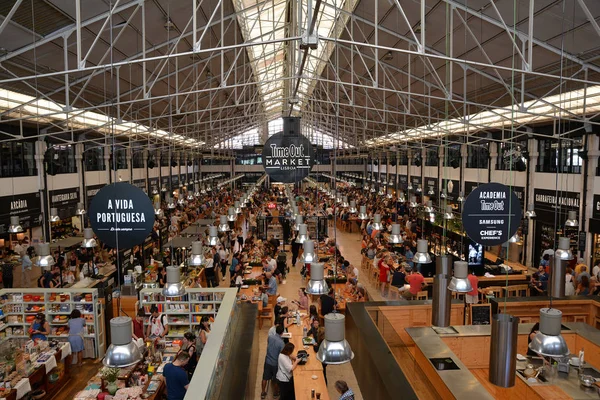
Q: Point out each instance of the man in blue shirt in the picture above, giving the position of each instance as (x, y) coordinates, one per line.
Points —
(272, 289)
(274, 346)
(409, 255)
(176, 377)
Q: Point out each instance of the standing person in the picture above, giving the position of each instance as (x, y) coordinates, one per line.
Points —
(327, 302)
(472, 297)
(162, 277)
(40, 328)
(76, 331)
(569, 283)
(384, 269)
(209, 269)
(176, 377)
(272, 284)
(223, 256)
(158, 327)
(138, 324)
(286, 365)
(240, 238)
(204, 333)
(189, 346)
(26, 267)
(345, 392)
(295, 251)
(7, 273)
(275, 345)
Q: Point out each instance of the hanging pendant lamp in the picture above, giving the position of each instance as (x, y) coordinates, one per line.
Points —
(299, 221)
(362, 215)
(530, 213)
(80, 209)
(88, 241)
(460, 282)
(213, 236)
(43, 259)
(548, 341)
(122, 352)
(431, 192)
(231, 215)
(344, 201)
(461, 197)
(419, 189)
(237, 208)
(401, 197)
(449, 214)
(170, 203)
(352, 209)
(308, 254)
(422, 255)
(157, 208)
(173, 287)
(563, 251)
(317, 284)
(15, 225)
(335, 349)
(443, 194)
(413, 202)
(396, 237)
(197, 257)
(54, 215)
(190, 195)
(223, 224)
(302, 234)
(377, 222)
(409, 187)
(572, 221)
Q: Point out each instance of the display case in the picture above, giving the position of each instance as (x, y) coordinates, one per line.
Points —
(19, 306)
(183, 313)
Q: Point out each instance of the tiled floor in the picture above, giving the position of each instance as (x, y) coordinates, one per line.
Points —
(349, 245)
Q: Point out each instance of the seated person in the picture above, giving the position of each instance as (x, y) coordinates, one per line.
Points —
(399, 276)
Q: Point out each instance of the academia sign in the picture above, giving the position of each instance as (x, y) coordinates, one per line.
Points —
(288, 158)
(491, 214)
(121, 215)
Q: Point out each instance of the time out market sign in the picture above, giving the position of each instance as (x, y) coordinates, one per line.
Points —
(288, 158)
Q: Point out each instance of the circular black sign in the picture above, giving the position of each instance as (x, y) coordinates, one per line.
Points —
(287, 158)
(121, 214)
(491, 214)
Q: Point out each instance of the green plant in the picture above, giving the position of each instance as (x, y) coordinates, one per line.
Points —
(110, 374)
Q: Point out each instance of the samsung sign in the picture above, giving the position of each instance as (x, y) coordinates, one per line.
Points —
(491, 214)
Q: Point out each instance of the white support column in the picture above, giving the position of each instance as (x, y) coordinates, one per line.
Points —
(592, 162)
(533, 160)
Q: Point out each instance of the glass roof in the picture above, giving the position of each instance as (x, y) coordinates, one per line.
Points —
(576, 102)
(266, 21)
(50, 112)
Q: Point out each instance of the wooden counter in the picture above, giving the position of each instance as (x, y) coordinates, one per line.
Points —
(304, 383)
(312, 363)
(514, 265)
(574, 309)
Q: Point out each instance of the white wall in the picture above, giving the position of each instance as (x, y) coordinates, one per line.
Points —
(11, 186)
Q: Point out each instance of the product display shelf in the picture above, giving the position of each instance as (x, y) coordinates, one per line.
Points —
(19, 307)
(183, 313)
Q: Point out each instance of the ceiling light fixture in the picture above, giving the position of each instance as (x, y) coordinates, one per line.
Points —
(422, 255)
(122, 352)
(460, 280)
(530, 213)
(362, 215)
(572, 219)
(88, 241)
(173, 287)
(15, 225)
(213, 236)
(54, 215)
(43, 260)
(548, 341)
(335, 349)
(197, 257)
(223, 224)
(317, 284)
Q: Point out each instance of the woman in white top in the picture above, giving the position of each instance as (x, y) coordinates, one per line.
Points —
(285, 367)
(569, 283)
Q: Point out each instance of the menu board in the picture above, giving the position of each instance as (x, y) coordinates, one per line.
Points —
(481, 314)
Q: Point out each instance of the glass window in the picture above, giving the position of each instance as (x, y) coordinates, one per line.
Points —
(403, 158)
(164, 159)
(93, 157)
(120, 159)
(138, 159)
(64, 156)
(512, 156)
(432, 159)
(451, 154)
(478, 156)
(560, 156)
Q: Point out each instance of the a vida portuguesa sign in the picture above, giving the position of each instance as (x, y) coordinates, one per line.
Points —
(121, 215)
(288, 158)
(491, 214)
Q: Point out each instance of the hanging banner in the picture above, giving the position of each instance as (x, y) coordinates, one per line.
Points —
(165, 183)
(491, 214)
(65, 200)
(415, 181)
(288, 157)
(27, 206)
(90, 191)
(431, 184)
(174, 182)
(154, 184)
(121, 215)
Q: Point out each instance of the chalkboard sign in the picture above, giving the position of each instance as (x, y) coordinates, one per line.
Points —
(481, 314)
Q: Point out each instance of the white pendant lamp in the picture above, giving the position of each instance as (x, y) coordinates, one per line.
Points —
(344, 201)
(88, 241)
(563, 252)
(396, 237)
(515, 238)
(163, 189)
(381, 192)
(157, 208)
(443, 194)
(335, 349)
(80, 209)
(461, 197)
(373, 190)
(302, 234)
(413, 202)
(362, 215)
(548, 341)
(213, 236)
(43, 259)
(231, 215)
(317, 284)
(409, 187)
(572, 219)
(419, 190)
(431, 192)
(202, 190)
(181, 200)
(197, 257)
(190, 195)
(449, 215)
(15, 225)
(237, 208)
(530, 213)
(223, 224)
(401, 197)
(54, 215)
(352, 209)
(299, 221)
(428, 207)
(308, 255)
(377, 222)
(422, 255)
(460, 282)
(122, 352)
(173, 287)
(170, 203)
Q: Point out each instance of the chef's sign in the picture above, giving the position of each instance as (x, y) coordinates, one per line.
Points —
(491, 214)
(121, 215)
(288, 158)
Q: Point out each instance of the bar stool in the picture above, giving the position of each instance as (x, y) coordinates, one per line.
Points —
(423, 295)
(517, 290)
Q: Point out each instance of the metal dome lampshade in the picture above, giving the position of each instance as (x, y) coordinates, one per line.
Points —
(422, 255)
(157, 208)
(352, 208)
(344, 201)
(163, 189)
(88, 241)
(395, 237)
(448, 215)
(181, 200)
(236, 207)
(431, 192)
(461, 197)
(460, 282)
(401, 197)
(43, 259)
(308, 254)
(428, 208)
(80, 209)
(373, 190)
(564, 249)
(419, 189)
(530, 213)
(231, 215)
(213, 236)
(197, 256)
(515, 238)
(202, 190)
(197, 193)
(409, 187)
(572, 219)
(443, 194)
(302, 234)
(381, 192)
(190, 195)
(15, 225)
(548, 342)
(317, 283)
(173, 287)
(223, 224)
(377, 222)
(413, 202)
(299, 221)
(362, 215)
(122, 352)
(170, 203)
(335, 349)
(54, 215)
